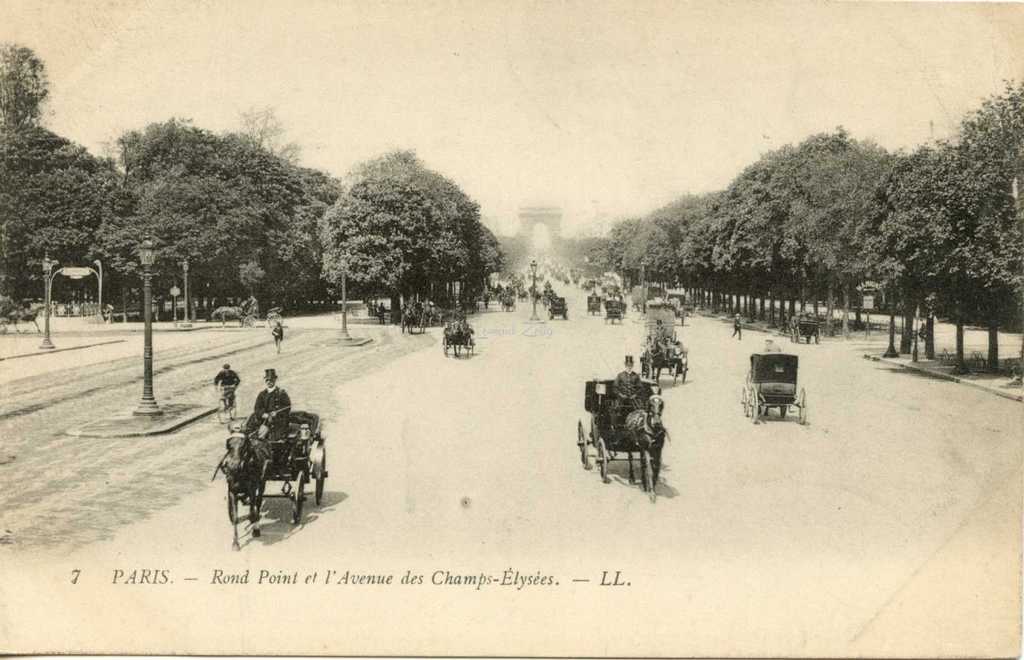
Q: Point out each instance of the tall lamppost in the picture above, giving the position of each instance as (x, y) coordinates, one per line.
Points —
(188, 317)
(891, 352)
(344, 302)
(99, 274)
(147, 406)
(48, 276)
(533, 290)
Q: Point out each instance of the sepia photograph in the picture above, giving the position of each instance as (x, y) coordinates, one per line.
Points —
(570, 328)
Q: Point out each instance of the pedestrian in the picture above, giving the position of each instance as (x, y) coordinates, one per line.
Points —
(278, 333)
(737, 328)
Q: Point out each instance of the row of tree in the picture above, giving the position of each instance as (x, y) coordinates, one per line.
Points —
(833, 217)
(235, 206)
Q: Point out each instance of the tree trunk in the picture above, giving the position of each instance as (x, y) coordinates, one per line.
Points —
(960, 368)
(771, 309)
(847, 294)
(830, 324)
(929, 338)
(993, 345)
(396, 307)
(761, 305)
(907, 332)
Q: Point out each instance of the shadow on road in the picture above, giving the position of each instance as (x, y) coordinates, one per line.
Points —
(276, 523)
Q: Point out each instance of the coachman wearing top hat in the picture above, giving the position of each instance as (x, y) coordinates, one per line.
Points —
(272, 406)
(627, 389)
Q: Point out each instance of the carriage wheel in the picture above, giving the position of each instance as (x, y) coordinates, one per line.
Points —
(803, 407)
(755, 407)
(602, 457)
(298, 497)
(581, 442)
(743, 401)
(321, 476)
(648, 470)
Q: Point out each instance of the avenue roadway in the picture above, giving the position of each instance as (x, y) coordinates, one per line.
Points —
(895, 509)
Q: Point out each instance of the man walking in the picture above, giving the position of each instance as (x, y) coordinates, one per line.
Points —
(278, 333)
(737, 329)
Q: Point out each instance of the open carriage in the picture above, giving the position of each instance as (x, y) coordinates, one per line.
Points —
(296, 460)
(662, 349)
(593, 304)
(616, 436)
(772, 383)
(458, 335)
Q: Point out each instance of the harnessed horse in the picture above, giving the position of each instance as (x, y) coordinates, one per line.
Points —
(647, 433)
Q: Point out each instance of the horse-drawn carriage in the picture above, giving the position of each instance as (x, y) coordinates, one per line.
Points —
(805, 328)
(613, 432)
(508, 300)
(458, 335)
(558, 307)
(297, 459)
(593, 304)
(614, 310)
(415, 317)
(662, 349)
(772, 383)
(247, 314)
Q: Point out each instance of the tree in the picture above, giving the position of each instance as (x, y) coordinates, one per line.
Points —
(263, 130)
(23, 87)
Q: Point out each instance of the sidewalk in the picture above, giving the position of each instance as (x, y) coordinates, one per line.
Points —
(993, 383)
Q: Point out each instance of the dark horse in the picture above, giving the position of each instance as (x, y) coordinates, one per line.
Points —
(243, 468)
(646, 433)
(414, 315)
(17, 315)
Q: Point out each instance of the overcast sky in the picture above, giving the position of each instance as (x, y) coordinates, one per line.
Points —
(606, 109)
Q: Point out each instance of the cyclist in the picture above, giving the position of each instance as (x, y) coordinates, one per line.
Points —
(227, 380)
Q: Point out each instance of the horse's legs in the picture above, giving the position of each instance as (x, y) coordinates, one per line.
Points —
(35, 323)
(629, 457)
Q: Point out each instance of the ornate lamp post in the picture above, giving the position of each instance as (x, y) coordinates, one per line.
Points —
(533, 289)
(48, 276)
(147, 406)
(891, 352)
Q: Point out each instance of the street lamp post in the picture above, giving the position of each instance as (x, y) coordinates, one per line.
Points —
(48, 265)
(344, 302)
(147, 406)
(188, 317)
(533, 290)
(99, 274)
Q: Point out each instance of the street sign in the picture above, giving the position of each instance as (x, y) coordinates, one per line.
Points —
(175, 292)
(869, 302)
(76, 272)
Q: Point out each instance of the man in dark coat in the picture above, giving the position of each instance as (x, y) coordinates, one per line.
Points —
(272, 406)
(627, 390)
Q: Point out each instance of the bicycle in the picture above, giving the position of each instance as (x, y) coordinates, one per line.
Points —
(227, 408)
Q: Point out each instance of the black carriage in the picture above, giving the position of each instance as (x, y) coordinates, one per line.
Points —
(772, 383)
(662, 350)
(557, 307)
(458, 335)
(608, 435)
(613, 311)
(806, 328)
(296, 460)
(593, 304)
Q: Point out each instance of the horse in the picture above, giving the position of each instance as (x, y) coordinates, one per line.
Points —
(414, 315)
(242, 466)
(23, 315)
(228, 313)
(508, 301)
(646, 432)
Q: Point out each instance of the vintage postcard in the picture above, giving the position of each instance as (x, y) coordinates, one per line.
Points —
(519, 329)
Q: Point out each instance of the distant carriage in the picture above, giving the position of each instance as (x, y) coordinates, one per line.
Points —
(662, 350)
(617, 438)
(10, 313)
(415, 317)
(614, 310)
(772, 383)
(593, 304)
(805, 328)
(558, 307)
(458, 336)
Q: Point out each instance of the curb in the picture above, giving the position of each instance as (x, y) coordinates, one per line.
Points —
(61, 350)
(121, 425)
(950, 377)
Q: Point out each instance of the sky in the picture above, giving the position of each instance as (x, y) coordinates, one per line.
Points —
(605, 109)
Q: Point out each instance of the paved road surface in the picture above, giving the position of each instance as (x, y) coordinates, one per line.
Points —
(896, 508)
